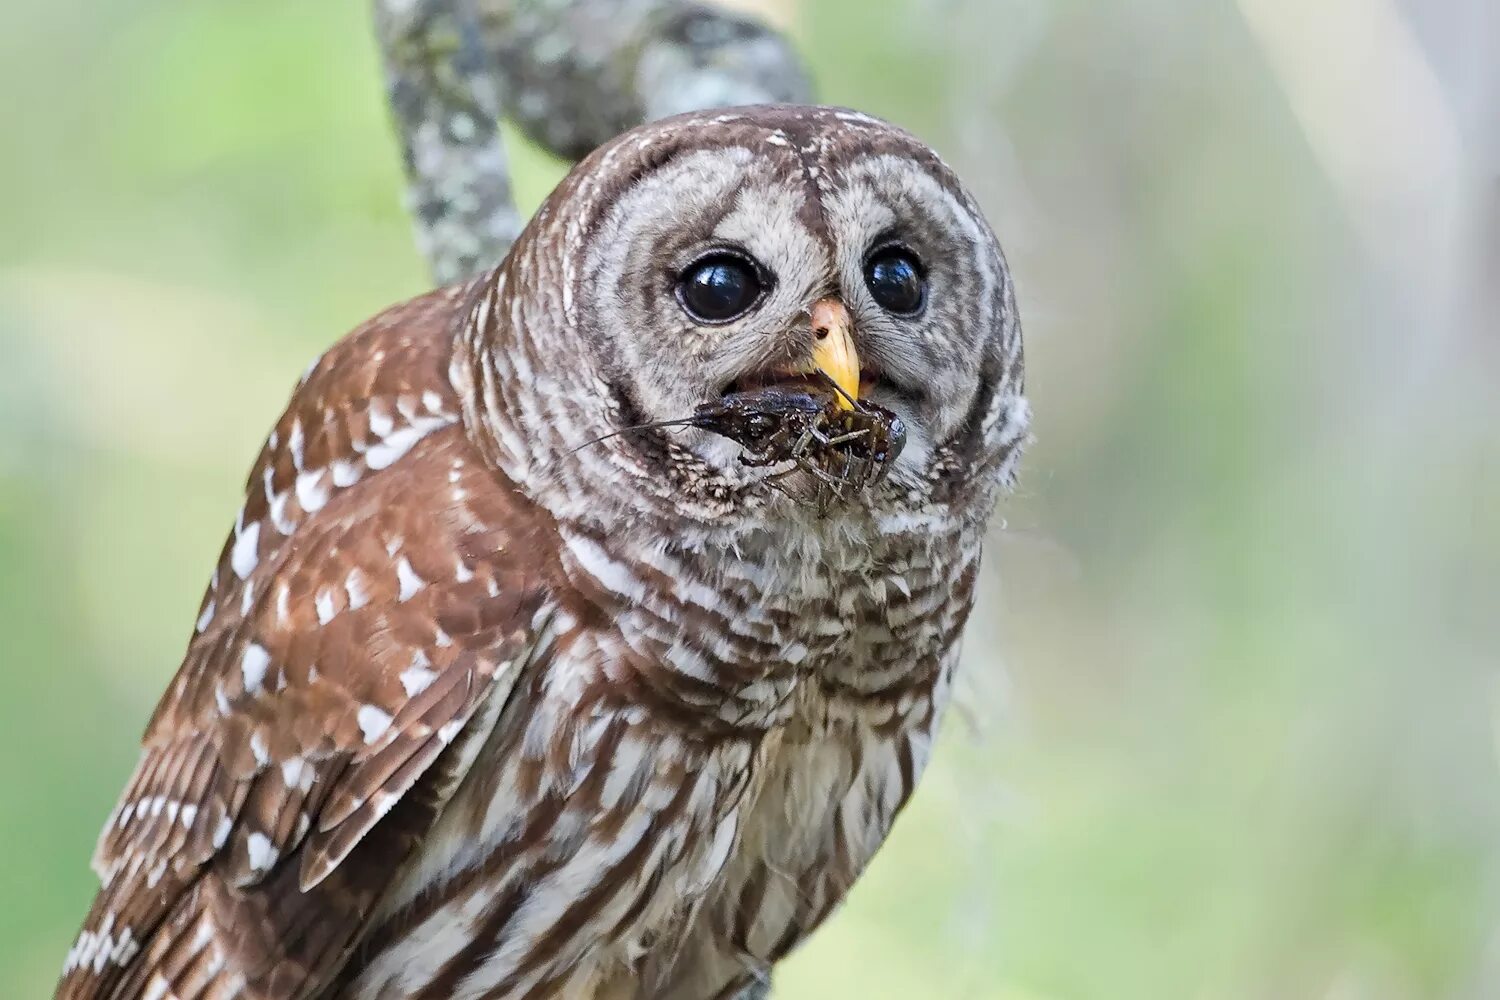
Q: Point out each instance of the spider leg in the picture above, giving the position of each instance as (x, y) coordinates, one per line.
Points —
(857, 472)
(850, 436)
(808, 436)
(820, 474)
(771, 452)
(851, 480)
(854, 404)
(774, 481)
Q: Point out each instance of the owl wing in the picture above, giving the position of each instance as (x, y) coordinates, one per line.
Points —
(360, 623)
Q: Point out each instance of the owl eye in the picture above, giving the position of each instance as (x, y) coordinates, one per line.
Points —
(719, 287)
(895, 278)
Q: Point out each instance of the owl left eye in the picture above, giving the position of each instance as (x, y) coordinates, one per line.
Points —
(895, 278)
(720, 287)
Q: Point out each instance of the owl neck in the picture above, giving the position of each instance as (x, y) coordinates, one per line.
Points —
(867, 611)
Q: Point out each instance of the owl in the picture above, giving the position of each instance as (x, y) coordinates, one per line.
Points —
(487, 699)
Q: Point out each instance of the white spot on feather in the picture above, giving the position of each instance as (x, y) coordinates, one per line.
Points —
(345, 473)
(294, 441)
(383, 802)
(202, 936)
(323, 603)
(126, 948)
(261, 851)
(372, 722)
(283, 524)
(259, 750)
(354, 586)
(392, 447)
(207, 616)
(245, 554)
(416, 679)
(297, 773)
(253, 666)
(381, 421)
(312, 491)
(408, 579)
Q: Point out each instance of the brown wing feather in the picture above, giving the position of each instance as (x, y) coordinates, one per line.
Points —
(360, 613)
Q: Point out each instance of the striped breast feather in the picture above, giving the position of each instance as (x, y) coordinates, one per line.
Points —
(288, 770)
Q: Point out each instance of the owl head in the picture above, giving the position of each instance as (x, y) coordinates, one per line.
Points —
(701, 254)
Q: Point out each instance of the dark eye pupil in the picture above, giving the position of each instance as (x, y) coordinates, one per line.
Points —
(895, 280)
(719, 287)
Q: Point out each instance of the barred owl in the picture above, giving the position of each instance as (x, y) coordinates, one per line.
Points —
(486, 700)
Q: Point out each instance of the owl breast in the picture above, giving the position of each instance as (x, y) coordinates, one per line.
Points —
(827, 789)
(666, 811)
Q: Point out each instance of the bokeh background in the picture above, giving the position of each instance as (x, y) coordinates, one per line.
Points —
(1229, 721)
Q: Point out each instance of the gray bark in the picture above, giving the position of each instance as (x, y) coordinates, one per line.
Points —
(570, 74)
(444, 98)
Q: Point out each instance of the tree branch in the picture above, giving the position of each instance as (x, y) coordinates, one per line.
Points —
(580, 72)
(444, 101)
(570, 73)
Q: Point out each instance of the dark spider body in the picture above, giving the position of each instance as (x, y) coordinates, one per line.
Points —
(846, 449)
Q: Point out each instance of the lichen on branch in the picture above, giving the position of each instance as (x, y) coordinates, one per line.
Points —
(570, 74)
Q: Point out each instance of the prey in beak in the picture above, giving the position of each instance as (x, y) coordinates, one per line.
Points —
(810, 417)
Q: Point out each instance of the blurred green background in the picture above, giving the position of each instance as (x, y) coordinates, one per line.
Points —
(1228, 723)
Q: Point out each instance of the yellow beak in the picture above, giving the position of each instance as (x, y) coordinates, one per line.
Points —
(833, 350)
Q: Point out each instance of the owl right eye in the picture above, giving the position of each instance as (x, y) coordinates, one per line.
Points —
(720, 287)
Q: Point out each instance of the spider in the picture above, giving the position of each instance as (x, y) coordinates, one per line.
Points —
(845, 444)
(845, 448)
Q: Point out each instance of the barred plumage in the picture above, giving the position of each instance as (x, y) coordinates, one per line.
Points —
(477, 706)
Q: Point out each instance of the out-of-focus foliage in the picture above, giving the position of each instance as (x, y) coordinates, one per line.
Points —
(1227, 730)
